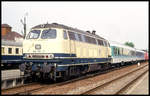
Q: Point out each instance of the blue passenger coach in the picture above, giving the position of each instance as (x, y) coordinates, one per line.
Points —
(11, 54)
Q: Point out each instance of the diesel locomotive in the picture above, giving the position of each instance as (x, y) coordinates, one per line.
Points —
(58, 51)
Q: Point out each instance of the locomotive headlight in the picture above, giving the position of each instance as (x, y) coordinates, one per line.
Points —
(51, 55)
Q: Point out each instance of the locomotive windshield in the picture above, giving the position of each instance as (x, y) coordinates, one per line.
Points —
(34, 34)
(48, 34)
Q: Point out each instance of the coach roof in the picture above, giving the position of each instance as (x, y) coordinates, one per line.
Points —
(56, 25)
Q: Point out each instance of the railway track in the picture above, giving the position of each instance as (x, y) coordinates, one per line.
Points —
(119, 84)
(35, 87)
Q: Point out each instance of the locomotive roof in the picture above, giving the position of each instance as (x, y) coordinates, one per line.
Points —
(56, 25)
(11, 43)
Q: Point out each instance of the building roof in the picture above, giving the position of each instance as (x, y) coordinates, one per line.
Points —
(11, 36)
(5, 26)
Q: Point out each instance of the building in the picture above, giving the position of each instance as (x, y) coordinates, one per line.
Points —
(8, 34)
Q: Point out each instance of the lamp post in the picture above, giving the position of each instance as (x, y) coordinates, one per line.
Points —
(24, 25)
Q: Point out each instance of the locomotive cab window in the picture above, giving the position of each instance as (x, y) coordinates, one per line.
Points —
(49, 34)
(9, 50)
(34, 34)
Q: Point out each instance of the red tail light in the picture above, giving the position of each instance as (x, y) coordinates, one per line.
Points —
(46, 56)
(29, 56)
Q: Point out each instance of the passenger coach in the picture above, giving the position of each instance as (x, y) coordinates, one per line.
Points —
(122, 54)
(11, 54)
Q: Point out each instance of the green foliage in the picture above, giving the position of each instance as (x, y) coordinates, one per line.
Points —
(130, 44)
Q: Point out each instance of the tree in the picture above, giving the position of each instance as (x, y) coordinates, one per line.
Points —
(130, 44)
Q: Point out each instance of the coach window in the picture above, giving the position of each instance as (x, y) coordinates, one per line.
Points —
(115, 51)
(49, 34)
(17, 50)
(3, 50)
(65, 35)
(9, 50)
(118, 51)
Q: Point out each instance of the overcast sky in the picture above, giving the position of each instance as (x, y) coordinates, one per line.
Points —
(115, 21)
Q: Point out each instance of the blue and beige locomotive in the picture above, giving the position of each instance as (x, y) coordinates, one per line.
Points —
(58, 51)
(11, 54)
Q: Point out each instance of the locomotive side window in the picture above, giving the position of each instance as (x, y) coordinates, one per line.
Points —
(71, 35)
(79, 35)
(100, 42)
(93, 41)
(83, 38)
(34, 34)
(48, 34)
(17, 50)
(65, 35)
(105, 43)
(9, 50)
(76, 37)
(87, 39)
(108, 44)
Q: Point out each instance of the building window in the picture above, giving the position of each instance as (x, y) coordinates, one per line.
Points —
(3, 50)
(9, 50)
(17, 50)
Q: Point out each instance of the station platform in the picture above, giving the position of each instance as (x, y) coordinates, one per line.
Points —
(9, 74)
(141, 87)
(11, 78)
